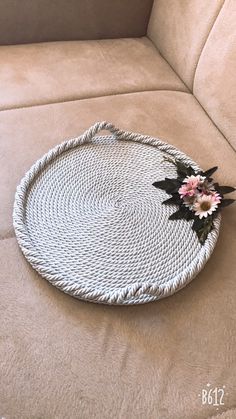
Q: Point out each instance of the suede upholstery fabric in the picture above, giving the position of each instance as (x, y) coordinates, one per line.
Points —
(175, 117)
(215, 80)
(63, 358)
(54, 72)
(28, 21)
(67, 359)
(179, 29)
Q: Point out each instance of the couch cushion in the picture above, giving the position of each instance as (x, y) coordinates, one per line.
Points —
(215, 79)
(180, 30)
(26, 134)
(54, 72)
(47, 20)
(64, 358)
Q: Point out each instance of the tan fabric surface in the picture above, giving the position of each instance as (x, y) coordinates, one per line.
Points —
(54, 72)
(215, 80)
(61, 358)
(229, 414)
(27, 21)
(180, 28)
(26, 134)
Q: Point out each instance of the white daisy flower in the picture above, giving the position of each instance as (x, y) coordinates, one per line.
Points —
(205, 205)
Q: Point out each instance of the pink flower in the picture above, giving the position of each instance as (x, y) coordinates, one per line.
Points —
(216, 197)
(206, 204)
(189, 188)
(186, 190)
(194, 181)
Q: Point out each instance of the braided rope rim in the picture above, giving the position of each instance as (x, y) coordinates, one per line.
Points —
(139, 292)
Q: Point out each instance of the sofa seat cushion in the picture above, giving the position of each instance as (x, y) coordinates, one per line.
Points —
(61, 357)
(64, 358)
(60, 71)
(175, 117)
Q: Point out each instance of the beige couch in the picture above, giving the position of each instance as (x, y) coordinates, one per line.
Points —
(171, 76)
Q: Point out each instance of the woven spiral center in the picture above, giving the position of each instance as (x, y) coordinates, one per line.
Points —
(95, 218)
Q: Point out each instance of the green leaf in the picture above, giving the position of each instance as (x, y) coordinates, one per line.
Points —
(183, 213)
(189, 215)
(226, 203)
(182, 170)
(169, 185)
(202, 235)
(224, 189)
(172, 181)
(175, 199)
(176, 215)
(173, 185)
(203, 232)
(191, 171)
(162, 184)
(210, 172)
(198, 223)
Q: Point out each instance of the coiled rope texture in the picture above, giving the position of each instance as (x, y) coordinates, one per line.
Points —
(88, 219)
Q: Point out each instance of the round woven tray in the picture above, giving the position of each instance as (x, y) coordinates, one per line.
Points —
(88, 219)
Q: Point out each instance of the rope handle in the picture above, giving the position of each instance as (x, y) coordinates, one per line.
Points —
(100, 126)
(131, 136)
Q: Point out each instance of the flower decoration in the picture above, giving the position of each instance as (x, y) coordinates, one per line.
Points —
(198, 197)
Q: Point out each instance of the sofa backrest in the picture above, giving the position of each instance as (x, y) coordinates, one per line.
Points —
(215, 78)
(27, 21)
(179, 29)
(198, 39)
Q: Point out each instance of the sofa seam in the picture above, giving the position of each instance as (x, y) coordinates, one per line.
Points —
(172, 68)
(149, 17)
(91, 97)
(123, 94)
(194, 77)
(216, 126)
(205, 43)
(192, 91)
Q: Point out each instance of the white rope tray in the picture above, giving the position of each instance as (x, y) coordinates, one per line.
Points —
(88, 219)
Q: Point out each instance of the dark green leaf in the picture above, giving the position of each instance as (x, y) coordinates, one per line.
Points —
(173, 185)
(197, 224)
(187, 212)
(175, 199)
(161, 184)
(189, 215)
(182, 170)
(182, 213)
(202, 235)
(172, 181)
(215, 213)
(210, 172)
(169, 185)
(224, 189)
(190, 171)
(226, 202)
(203, 232)
(178, 215)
